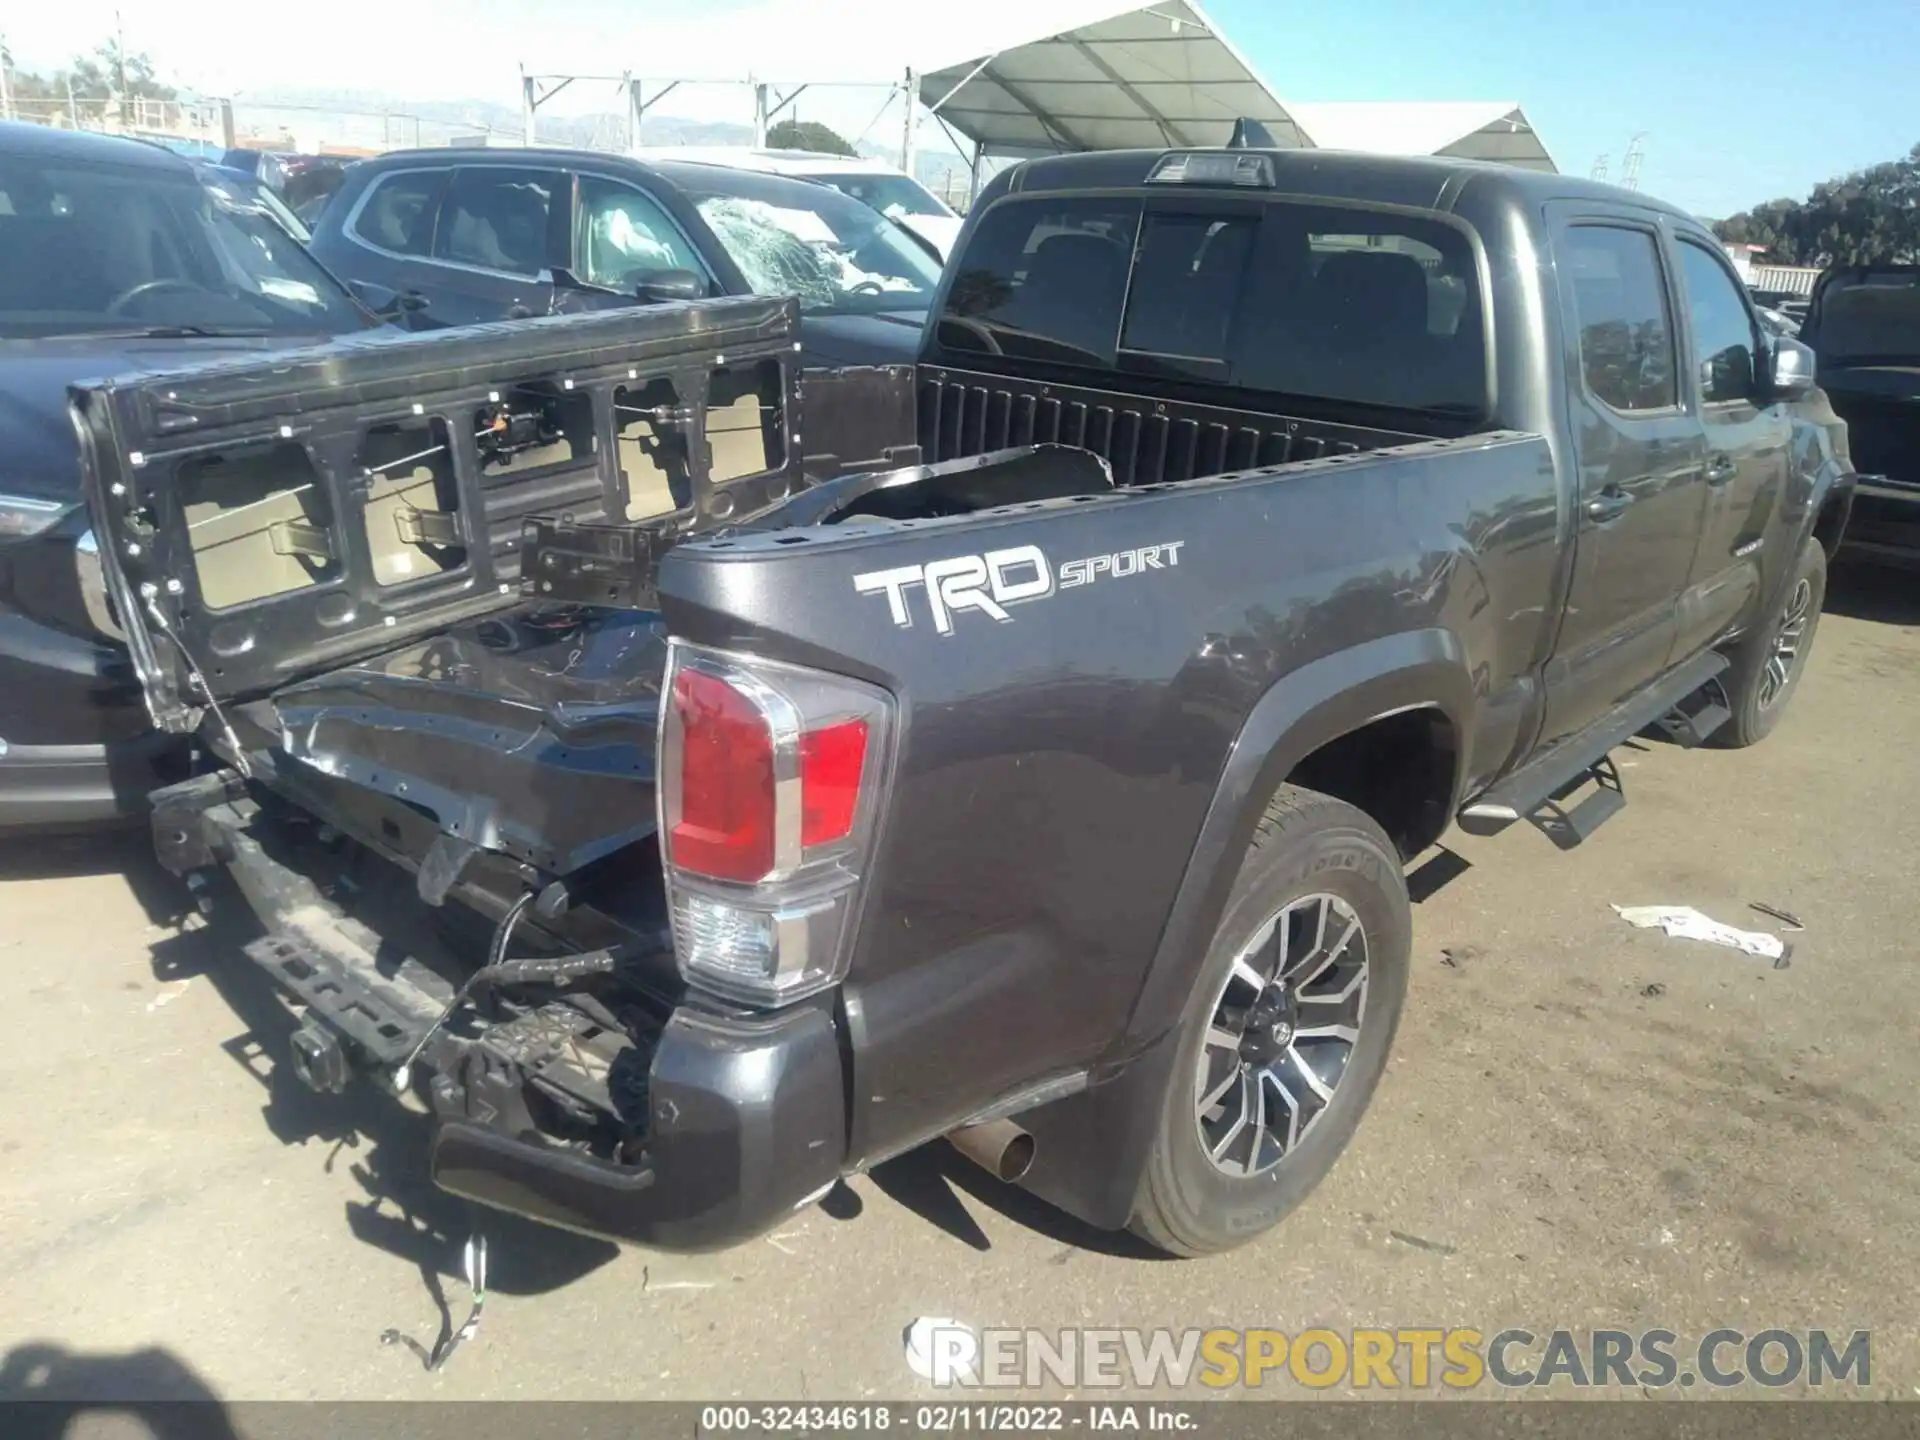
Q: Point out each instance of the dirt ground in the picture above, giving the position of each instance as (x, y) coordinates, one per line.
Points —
(1582, 1125)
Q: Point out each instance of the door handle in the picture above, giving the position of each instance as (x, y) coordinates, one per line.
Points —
(1721, 469)
(1607, 505)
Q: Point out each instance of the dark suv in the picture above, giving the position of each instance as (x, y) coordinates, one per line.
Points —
(115, 257)
(471, 235)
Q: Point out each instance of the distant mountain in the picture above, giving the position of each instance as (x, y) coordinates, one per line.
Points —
(376, 120)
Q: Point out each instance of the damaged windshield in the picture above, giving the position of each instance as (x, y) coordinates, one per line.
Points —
(92, 248)
(795, 238)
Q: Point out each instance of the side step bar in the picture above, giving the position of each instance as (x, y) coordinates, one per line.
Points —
(1681, 703)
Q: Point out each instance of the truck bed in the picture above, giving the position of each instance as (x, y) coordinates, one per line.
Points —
(1145, 440)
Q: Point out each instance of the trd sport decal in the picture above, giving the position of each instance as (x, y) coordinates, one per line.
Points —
(991, 582)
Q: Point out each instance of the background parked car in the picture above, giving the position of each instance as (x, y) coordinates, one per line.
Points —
(476, 235)
(114, 256)
(1864, 326)
(894, 193)
(303, 181)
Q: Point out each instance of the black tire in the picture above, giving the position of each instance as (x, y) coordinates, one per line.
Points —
(1757, 698)
(1308, 845)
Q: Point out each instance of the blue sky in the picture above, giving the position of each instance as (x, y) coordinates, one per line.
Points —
(1739, 102)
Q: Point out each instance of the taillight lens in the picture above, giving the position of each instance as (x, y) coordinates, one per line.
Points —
(724, 828)
(770, 790)
(832, 759)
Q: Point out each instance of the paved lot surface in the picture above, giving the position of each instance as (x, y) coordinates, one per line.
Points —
(1583, 1125)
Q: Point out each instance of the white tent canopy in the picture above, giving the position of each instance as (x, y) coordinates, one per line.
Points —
(1158, 75)
(1012, 75)
(1467, 129)
(1036, 76)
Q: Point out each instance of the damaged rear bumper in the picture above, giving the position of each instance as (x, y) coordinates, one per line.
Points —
(725, 1123)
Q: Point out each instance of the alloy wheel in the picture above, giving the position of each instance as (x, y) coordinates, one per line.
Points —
(1787, 640)
(1282, 1030)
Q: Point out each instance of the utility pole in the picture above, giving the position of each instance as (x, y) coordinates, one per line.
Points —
(1599, 171)
(526, 106)
(912, 121)
(1630, 167)
(6, 89)
(73, 108)
(120, 60)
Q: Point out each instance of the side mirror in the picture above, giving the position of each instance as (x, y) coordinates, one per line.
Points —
(655, 287)
(1790, 369)
(385, 301)
(381, 299)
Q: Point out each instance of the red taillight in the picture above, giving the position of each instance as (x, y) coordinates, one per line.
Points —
(726, 822)
(831, 762)
(772, 780)
(725, 825)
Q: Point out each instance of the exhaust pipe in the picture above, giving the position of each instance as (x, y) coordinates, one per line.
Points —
(999, 1147)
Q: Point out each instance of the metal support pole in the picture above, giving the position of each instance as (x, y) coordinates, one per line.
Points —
(120, 58)
(526, 105)
(6, 90)
(973, 179)
(636, 113)
(912, 121)
(759, 116)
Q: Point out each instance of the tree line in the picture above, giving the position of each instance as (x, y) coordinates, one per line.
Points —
(1870, 216)
(91, 87)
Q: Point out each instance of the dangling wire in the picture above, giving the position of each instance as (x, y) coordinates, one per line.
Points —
(502, 938)
(198, 677)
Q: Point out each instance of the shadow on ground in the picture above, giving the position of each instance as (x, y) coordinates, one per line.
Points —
(127, 851)
(381, 1142)
(931, 1181)
(1880, 593)
(50, 1391)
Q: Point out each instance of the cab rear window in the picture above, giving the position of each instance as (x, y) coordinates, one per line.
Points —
(1342, 303)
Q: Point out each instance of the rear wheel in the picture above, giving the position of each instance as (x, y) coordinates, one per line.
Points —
(1289, 1029)
(1767, 663)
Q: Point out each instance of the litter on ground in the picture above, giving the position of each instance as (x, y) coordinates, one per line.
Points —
(1686, 923)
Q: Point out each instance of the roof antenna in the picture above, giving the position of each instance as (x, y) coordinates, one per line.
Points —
(1250, 134)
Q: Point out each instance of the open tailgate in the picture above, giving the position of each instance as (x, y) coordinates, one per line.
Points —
(263, 519)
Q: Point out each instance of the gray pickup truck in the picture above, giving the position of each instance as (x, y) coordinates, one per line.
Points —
(700, 781)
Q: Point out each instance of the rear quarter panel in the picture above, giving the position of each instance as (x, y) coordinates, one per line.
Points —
(1054, 769)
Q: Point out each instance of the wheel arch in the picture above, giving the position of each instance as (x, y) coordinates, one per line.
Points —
(1416, 672)
(1092, 1147)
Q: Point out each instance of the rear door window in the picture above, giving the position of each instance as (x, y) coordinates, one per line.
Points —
(1626, 327)
(1318, 301)
(397, 214)
(501, 218)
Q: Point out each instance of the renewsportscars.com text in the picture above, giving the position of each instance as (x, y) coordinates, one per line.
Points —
(1402, 1358)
